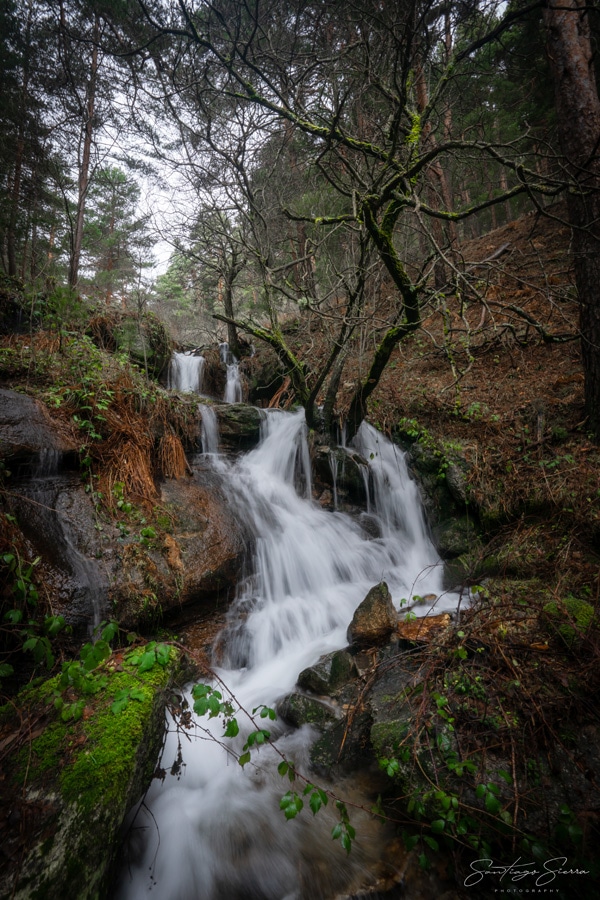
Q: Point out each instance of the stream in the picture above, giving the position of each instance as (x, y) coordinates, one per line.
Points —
(213, 830)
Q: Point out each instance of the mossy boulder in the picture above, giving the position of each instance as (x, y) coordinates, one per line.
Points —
(455, 537)
(331, 673)
(298, 709)
(239, 425)
(375, 619)
(74, 782)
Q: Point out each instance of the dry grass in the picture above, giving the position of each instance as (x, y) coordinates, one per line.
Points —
(171, 457)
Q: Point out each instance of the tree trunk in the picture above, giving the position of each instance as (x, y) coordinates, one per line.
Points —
(15, 193)
(578, 111)
(84, 170)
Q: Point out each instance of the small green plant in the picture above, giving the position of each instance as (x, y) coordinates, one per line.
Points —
(121, 503)
(148, 535)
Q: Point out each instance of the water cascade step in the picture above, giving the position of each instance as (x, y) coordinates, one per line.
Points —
(185, 372)
(209, 430)
(216, 831)
(233, 386)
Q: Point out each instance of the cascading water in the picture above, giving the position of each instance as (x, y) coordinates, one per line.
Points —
(186, 371)
(209, 429)
(217, 833)
(233, 385)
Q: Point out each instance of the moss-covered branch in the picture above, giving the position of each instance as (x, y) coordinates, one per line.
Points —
(274, 338)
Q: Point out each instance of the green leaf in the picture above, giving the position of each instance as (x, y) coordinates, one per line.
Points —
(431, 842)
(283, 768)
(244, 758)
(232, 730)
(506, 776)
(492, 804)
(438, 825)
(480, 791)
(163, 655)
(346, 842)
(147, 662)
(110, 631)
(120, 701)
(201, 706)
(315, 803)
(137, 693)
(14, 616)
(410, 841)
(5, 670)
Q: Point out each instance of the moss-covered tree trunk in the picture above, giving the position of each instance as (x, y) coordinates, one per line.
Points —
(578, 107)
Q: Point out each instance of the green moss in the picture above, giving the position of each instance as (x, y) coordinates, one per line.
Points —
(578, 613)
(99, 752)
(106, 761)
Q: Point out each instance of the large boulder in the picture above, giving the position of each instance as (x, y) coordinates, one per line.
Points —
(28, 430)
(239, 425)
(208, 542)
(71, 784)
(375, 619)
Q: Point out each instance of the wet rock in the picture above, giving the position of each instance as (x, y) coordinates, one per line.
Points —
(424, 629)
(329, 674)
(455, 537)
(344, 746)
(208, 543)
(375, 619)
(298, 709)
(239, 425)
(351, 472)
(27, 429)
(59, 521)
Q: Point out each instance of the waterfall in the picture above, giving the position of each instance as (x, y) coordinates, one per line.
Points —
(185, 372)
(233, 386)
(209, 431)
(333, 465)
(217, 832)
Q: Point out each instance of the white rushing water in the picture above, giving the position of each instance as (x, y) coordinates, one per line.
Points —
(185, 372)
(233, 385)
(217, 832)
(209, 429)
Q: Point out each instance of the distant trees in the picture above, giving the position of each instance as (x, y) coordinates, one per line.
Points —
(332, 156)
(114, 241)
(58, 126)
(338, 135)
